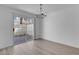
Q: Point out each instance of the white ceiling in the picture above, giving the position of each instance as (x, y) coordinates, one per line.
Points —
(32, 8)
(35, 8)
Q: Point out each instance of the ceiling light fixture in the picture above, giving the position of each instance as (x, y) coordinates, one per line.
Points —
(42, 11)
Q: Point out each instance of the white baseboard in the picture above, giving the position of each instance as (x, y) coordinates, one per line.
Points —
(74, 46)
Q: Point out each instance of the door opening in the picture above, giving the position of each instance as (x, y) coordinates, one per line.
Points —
(23, 29)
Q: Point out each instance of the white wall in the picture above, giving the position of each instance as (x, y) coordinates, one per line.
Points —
(62, 25)
(38, 27)
(5, 28)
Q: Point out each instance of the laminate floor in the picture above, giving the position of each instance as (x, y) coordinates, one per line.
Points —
(44, 47)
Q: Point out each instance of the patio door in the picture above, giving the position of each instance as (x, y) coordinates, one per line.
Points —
(23, 29)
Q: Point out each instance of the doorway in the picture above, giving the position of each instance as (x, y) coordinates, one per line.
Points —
(23, 29)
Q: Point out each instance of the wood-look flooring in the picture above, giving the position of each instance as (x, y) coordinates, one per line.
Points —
(44, 47)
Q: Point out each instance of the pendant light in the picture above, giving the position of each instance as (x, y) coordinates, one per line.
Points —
(42, 11)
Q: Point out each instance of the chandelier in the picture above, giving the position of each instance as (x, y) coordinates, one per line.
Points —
(42, 11)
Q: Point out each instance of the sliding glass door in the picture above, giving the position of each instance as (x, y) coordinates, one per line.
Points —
(23, 29)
